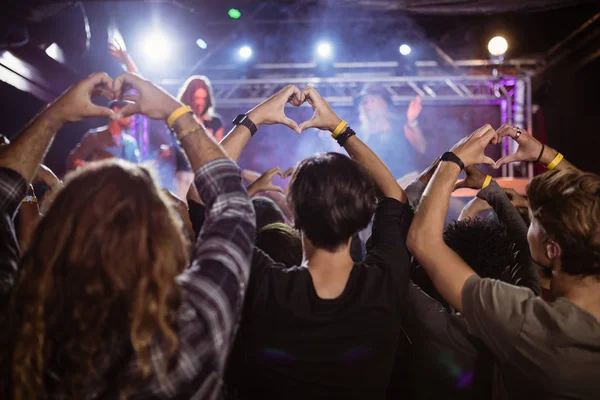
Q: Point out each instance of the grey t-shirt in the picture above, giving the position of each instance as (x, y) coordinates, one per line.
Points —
(553, 346)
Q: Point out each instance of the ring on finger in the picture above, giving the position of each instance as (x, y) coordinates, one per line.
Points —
(518, 133)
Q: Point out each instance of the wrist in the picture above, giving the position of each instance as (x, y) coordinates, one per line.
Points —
(52, 118)
(548, 155)
(335, 122)
(255, 117)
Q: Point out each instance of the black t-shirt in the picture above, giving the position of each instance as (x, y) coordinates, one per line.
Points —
(294, 345)
(213, 125)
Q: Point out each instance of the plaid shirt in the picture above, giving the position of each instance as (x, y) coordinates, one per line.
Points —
(213, 292)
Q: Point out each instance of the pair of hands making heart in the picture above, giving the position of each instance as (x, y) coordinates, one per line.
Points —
(271, 111)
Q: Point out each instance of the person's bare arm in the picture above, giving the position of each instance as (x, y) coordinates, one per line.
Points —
(270, 111)
(425, 238)
(325, 118)
(25, 153)
(529, 149)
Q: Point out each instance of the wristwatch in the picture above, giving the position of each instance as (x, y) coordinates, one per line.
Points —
(243, 119)
(450, 156)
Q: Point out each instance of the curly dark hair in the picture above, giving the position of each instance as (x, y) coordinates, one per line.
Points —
(483, 243)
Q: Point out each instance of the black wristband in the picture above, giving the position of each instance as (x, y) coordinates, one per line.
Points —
(243, 119)
(541, 154)
(343, 137)
(450, 156)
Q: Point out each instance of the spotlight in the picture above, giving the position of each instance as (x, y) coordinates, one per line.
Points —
(55, 52)
(405, 49)
(202, 44)
(324, 50)
(245, 52)
(497, 46)
(156, 47)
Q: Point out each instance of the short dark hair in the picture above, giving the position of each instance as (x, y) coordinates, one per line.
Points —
(567, 205)
(332, 198)
(266, 211)
(282, 243)
(483, 243)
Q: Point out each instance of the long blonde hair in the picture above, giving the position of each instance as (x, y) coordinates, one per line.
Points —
(101, 268)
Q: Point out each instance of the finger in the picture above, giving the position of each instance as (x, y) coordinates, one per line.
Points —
(289, 172)
(506, 130)
(274, 188)
(290, 123)
(99, 111)
(104, 93)
(489, 135)
(483, 130)
(126, 111)
(311, 123)
(99, 79)
(131, 97)
(274, 171)
(506, 160)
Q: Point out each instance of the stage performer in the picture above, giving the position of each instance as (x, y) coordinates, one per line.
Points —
(197, 93)
(110, 141)
(398, 141)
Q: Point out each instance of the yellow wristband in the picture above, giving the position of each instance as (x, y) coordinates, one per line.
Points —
(486, 183)
(336, 132)
(555, 162)
(175, 115)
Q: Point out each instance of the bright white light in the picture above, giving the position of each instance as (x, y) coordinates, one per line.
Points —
(156, 47)
(497, 46)
(202, 44)
(405, 49)
(245, 52)
(55, 52)
(324, 50)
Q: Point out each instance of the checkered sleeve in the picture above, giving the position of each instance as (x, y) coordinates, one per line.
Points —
(215, 284)
(13, 189)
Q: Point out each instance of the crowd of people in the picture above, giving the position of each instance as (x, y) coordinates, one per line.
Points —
(113, 288)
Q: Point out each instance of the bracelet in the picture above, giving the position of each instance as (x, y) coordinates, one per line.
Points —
(336, 132)
(175, 115)
(342, 138)
(186, 134)
(541, 154)
(30, 199)
(450, 156)
(555, 162)
(486, 182)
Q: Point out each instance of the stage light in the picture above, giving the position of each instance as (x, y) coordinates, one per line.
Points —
(324, 50)
(245, 52)
(497, 46)
(405, 49)
(55, 52)
(234, 13)
(202, 44)
(156, 47)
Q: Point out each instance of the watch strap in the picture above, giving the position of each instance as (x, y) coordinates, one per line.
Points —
(243, 119)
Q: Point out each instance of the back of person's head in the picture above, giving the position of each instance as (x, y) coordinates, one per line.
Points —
(266, 211)
(483, 243)
(566, 205)
(101, 269)
(282, 243)
(332, 198)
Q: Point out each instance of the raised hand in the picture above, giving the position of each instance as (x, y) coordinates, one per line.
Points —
(264, 182)
(76, 103)
(271, 111)
(474, 179)
(324, 117)
(471, 148)
(529, 147)
(149, 99)
(414, 109)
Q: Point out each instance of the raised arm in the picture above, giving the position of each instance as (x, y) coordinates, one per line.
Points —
(530, 149)
(425, 238)
(325, 118)
(215, 283)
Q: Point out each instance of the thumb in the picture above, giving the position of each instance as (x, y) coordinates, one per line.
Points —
(99, 111)
(290, 123)
(505, 160)
(488, 161)
(461, 184)
(274, 188)
(127, 110)
(311, 123)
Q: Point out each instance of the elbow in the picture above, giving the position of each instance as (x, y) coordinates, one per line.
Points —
(415, 241)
